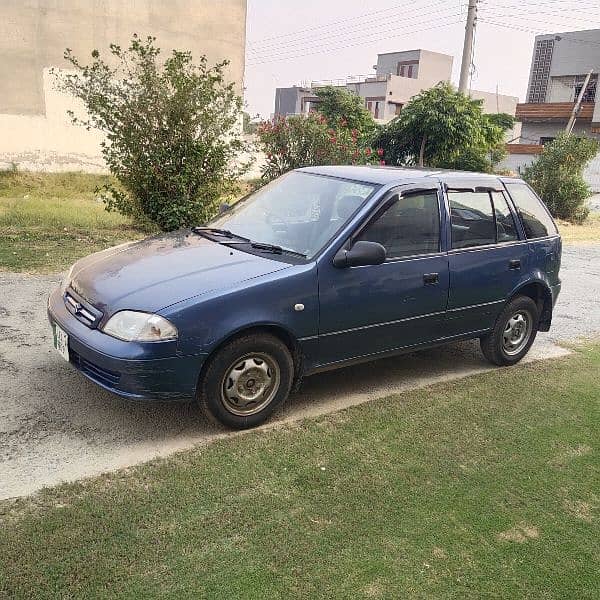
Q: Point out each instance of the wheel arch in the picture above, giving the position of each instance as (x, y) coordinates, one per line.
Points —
(541, 294)
(278, 331)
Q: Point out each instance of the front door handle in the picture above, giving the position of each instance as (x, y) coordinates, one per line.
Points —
(431, 278)
(514, 265)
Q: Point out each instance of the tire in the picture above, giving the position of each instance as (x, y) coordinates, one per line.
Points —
(246, 380)
(510, 341)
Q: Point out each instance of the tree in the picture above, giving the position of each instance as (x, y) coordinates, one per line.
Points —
(443, 128)
(557, 176)
(171, 130)
(338, 105)
(307, 140)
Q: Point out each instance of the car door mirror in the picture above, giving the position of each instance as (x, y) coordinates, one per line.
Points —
(360, 255)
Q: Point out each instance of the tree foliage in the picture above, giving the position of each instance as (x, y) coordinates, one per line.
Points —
(171, 130)
(444, 128)
(557, 176)
(308, 140)
(340, 106)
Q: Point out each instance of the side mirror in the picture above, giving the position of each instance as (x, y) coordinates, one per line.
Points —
(360, 255)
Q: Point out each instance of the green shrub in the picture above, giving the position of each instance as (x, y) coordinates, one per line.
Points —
(303, 141)
(171, 127)
(341, 107)
(557, 176)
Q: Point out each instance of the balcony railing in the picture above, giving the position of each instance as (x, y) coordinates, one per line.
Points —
(552, 111)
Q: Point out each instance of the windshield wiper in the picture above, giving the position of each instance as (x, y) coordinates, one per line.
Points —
(275, 249)
(240, 239)
(208, 231)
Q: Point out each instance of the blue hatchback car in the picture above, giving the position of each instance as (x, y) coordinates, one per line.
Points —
(323, 267)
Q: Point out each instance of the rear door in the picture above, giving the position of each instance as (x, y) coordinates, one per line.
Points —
(487, 256)
(540, 230)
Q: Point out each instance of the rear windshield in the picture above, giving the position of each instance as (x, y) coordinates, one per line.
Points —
(536, 219)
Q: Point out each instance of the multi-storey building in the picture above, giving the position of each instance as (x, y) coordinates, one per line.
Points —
(398, 77)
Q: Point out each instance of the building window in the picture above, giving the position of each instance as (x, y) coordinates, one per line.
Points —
(590, 91)
(407, 68)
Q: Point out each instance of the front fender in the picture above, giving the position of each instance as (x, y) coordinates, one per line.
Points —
(206, 322)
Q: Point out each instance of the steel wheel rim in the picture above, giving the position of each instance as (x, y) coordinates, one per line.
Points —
(517, 332)
(250, 384)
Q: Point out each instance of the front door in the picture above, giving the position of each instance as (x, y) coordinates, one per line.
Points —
(401, 303)
(487, 259)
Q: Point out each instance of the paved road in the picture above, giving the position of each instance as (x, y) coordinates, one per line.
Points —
(55, 425)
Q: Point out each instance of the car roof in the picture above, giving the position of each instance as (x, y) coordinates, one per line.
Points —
(391, 175)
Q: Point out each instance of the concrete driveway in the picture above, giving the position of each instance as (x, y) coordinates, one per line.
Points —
(56, 426)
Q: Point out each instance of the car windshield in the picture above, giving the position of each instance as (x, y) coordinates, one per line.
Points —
(298, 212)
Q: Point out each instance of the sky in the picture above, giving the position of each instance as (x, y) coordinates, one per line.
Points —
(290, 42)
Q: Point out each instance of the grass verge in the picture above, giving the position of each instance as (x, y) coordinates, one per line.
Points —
(485, 487)
(49, 220)
(586, 233)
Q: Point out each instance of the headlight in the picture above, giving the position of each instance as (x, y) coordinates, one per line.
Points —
(64, 284)
(135, 326)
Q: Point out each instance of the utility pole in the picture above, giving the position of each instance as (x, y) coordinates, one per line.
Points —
(574, 113)
(467, 54)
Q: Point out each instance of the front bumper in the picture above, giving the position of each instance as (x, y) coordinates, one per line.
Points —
(150, 371)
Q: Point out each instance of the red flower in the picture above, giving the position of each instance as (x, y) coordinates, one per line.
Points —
(382, 162)
(379, 151)
(368, 151)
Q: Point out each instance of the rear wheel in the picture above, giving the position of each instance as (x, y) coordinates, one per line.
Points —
(513, 333)
(246, 380)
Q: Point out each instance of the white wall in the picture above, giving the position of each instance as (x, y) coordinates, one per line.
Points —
(34, 130)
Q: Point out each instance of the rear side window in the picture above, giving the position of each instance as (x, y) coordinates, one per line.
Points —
(472, 217)
(410, 226)
(505, 222)
(537, 221)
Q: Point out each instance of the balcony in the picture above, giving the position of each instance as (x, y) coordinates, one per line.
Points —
(552, 111)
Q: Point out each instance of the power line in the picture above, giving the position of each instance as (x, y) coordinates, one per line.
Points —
(359, 43)
(537, 31)
(346, 20)
(345, 33)
(552, 15)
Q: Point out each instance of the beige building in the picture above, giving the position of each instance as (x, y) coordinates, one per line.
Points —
(398, 77)
(35, 131)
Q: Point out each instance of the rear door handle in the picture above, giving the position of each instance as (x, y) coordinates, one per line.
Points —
(431, 278)
(514, 265)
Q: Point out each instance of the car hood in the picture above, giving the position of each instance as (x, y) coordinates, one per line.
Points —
(162, 270)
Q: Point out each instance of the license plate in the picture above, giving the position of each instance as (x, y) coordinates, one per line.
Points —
(61, 341)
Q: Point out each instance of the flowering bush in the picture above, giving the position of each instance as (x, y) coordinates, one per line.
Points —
(303, 141)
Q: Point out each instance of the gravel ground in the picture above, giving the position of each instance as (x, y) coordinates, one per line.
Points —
(56, 426)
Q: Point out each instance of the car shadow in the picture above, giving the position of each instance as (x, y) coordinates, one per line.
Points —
(84, 406)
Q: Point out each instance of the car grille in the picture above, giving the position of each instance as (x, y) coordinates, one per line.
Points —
(104, 376)
(81, 309)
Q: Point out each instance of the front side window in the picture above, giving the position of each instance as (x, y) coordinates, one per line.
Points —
(410, 226)
(537, 221)
(299, 211)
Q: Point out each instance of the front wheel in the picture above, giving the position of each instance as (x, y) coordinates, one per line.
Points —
(246, 380)
(513, 333)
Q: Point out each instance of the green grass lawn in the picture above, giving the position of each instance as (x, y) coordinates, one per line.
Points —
(49, 220)
(487, 487)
